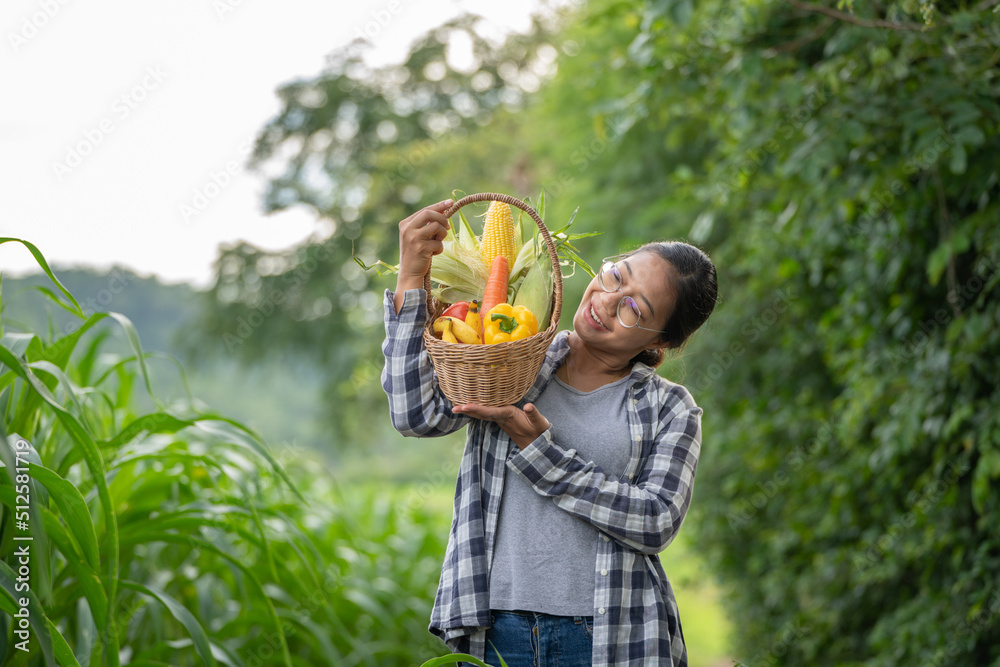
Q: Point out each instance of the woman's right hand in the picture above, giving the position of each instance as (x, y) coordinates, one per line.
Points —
(421, 236)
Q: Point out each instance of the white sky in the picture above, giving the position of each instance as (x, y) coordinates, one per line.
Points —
(166, 94)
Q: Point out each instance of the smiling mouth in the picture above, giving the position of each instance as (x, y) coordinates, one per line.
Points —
(593, 314)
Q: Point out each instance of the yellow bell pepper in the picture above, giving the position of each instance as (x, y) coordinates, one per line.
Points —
(506, 323)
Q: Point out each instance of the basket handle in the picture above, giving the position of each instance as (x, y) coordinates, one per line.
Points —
(553, 256)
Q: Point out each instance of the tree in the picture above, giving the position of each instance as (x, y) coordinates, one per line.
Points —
(367, 147)
(840, 166)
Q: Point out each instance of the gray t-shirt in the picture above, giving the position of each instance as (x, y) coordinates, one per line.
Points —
(543, 558)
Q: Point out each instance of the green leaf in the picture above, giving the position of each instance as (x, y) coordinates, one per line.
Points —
(155, 422)
(937, 262)
(945, 252)
(85, 364)
(959, 159)
(63, 652)
(466, 234)
(578, 260)
(193, 540)
(230, 430)
(60, 377)
(970, 135)
(456, 658)
(133, 340)
(329, 651)
(86, 576)
(9, 603)
(74, 511)
(45, 267)
(201, 644)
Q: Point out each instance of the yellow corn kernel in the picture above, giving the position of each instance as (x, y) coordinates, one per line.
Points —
(498, 234)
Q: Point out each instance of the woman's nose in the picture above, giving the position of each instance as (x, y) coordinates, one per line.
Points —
(609, 300)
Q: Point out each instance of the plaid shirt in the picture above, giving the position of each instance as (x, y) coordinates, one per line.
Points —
(636, 620)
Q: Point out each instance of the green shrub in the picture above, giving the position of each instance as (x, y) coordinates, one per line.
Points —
(842, 171)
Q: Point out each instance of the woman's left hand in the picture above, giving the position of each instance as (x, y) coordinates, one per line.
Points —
(523, 426)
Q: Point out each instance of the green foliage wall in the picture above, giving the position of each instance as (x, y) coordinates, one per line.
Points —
(844, 176)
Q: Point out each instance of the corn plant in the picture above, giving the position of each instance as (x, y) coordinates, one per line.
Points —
(175, 536)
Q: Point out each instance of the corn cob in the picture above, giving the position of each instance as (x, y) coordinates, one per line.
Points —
(498, 234)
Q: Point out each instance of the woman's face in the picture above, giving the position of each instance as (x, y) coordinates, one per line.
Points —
(645, 278)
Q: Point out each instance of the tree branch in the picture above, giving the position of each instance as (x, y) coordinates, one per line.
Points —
(797, 44)
(851, 18)
(944, 225)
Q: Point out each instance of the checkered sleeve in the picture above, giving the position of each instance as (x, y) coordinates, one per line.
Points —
(645, 513)
(417, 407)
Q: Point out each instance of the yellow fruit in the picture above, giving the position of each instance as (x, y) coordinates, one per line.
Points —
(472, 318)
(446, 334)
(462, 331)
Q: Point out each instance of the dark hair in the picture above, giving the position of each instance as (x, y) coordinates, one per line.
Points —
(693, 280)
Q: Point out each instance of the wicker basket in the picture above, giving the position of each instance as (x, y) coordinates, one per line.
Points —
(499, 374)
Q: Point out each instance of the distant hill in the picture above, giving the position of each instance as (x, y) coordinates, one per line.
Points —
(158, 310)
(278, 400)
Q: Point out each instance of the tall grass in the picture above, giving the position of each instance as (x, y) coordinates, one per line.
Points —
(175, 536)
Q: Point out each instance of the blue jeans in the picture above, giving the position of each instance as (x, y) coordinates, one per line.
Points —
(532, 639)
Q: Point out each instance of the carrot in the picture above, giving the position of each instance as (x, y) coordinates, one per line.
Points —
(496, 286)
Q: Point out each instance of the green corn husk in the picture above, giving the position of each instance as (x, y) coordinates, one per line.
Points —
(535, 291)
(459, 270)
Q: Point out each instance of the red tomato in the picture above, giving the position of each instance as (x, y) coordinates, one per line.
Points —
(458, 309)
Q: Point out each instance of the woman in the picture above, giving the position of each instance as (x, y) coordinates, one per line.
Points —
(564, 500)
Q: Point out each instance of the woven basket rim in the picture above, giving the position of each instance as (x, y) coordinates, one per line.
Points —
(557, 286)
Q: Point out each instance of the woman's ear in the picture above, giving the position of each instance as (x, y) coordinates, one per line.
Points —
(659, 345)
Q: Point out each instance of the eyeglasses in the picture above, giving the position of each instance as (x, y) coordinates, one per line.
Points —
(628, 313)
